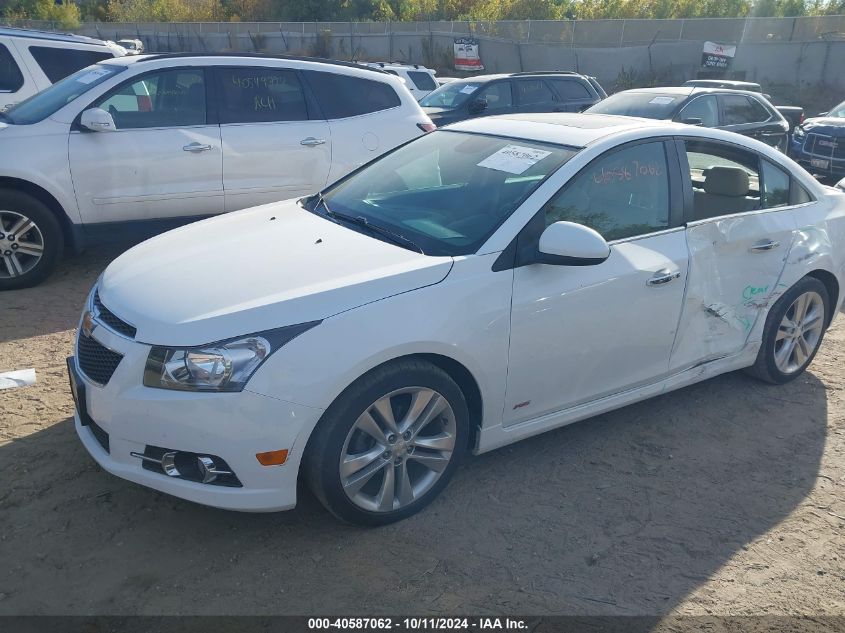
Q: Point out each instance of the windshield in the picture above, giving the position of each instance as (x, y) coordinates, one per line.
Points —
(838, 111)
(450, 95)
(446, 192)
(649, 105)
(47, 102)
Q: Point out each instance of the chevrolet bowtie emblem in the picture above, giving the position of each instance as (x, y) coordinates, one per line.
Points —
(88, 323)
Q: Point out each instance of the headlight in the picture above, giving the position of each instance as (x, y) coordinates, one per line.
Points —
(224, 366)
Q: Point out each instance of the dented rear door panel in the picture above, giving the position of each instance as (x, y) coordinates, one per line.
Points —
(736, 264)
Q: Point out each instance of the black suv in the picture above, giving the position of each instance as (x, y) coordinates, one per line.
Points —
(514, 92)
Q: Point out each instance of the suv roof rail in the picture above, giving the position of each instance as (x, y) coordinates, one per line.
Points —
(35, 34)
(546, 72)
(298, 58)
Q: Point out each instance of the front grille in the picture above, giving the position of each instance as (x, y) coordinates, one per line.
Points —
(100, 435)
(825, 146)
(96, 361)
(111, 320)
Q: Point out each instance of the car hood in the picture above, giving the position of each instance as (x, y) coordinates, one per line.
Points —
(834, 126)
(255, 270)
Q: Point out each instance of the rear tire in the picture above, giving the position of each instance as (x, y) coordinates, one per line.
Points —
(793, 333)
(31, 240)
(388, 444)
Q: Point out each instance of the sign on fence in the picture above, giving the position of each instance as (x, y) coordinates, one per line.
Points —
(466, 54)
(717, 55)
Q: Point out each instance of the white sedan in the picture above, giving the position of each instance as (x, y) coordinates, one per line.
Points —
(482, 284)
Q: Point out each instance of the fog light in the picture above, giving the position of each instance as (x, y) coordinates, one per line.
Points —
(272, 458)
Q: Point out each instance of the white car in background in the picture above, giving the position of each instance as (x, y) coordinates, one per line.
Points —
(485, 283)
(33, 60)
(143, 143)
(418, 79)
(132, 46)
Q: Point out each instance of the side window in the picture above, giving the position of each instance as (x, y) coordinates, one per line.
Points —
(11, 78)
(497, 95)
(533, 91)
(570, 89)
(759, 111)
(739, 109)
(799, 195)
(725, 179)
(260, 95)
(58, 63)
(705, 108)
(342, 96)
(422, 80)
(621, 194)
(170, 98)
(775, 186)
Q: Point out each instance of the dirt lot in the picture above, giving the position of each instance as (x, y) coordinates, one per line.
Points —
(722, 498)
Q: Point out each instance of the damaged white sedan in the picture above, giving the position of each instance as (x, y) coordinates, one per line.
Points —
(482, 284)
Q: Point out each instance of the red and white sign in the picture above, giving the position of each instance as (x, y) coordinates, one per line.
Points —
(717, 55)
(466, 54)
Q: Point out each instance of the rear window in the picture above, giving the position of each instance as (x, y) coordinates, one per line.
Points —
(342, 96)
(422, 80)
(58, 63)
(11, 78)
(258, 95)
(650, 105)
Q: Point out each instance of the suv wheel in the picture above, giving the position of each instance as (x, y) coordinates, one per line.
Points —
(31, 240)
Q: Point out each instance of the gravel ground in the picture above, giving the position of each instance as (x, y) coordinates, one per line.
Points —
(721, 498)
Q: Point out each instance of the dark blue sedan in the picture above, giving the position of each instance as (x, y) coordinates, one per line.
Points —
(818, 144)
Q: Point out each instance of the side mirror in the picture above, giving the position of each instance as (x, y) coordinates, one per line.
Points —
(97, 120)
(477, 106)
(693, 121)
(823, 113)
(570, 244)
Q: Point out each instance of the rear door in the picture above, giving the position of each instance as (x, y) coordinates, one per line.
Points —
(162, 161)
(739, 232)
(535, 95)
(747, 116)
(275, 146)
(573, 95)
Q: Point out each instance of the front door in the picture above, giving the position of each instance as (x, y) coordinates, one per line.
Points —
(162, 161)
(579, 333)
(272, 148)
(738, 244)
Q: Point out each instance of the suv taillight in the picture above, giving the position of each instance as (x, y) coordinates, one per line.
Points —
(427, 127)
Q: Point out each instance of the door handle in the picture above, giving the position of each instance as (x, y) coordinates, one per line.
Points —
(662, 277)
(312, 142)
(763, 247)
(196, 148)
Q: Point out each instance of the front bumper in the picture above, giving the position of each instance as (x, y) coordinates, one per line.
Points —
(232, 426)
(817, 164)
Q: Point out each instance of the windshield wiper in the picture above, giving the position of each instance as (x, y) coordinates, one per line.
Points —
(363, 222)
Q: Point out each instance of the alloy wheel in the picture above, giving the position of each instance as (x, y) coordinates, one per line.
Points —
(397, 449)
(21, 244)
(799, 332)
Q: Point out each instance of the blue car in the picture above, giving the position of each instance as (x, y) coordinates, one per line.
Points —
(818, 144)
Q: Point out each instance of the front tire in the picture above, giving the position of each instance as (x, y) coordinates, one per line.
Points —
(793, 332)
(31, 240)
(389, 444)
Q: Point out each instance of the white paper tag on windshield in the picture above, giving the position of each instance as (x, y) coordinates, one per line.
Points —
(91, 76)
(468, 90)
(514, 159)
(662, 100)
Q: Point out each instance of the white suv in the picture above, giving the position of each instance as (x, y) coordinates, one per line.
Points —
(32, 60)
(143, 143)
(418, 79)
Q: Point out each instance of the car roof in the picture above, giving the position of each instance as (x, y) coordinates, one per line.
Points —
(686, 91)
(574, 130)
(722, 82)
(53, 37)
